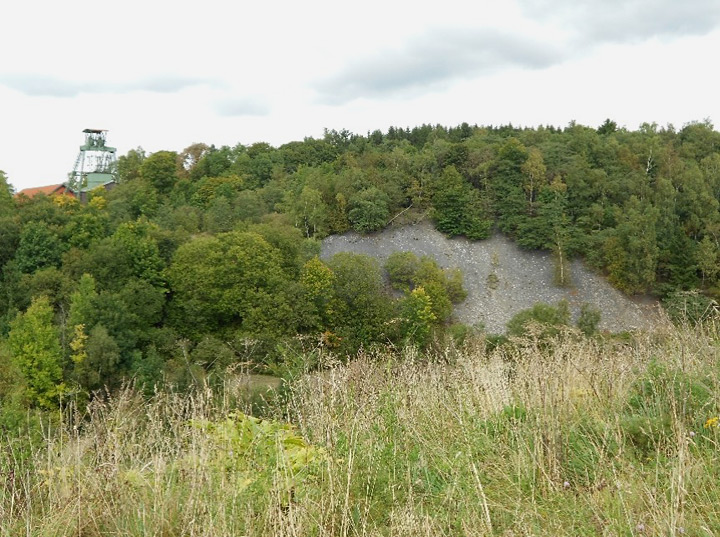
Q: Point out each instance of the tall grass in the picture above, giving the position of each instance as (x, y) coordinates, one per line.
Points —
(569, 438)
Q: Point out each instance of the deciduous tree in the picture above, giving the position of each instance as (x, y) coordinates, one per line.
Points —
(35, 347)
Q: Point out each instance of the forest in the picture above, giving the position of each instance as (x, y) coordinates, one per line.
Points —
(134, 326)
(208, 257)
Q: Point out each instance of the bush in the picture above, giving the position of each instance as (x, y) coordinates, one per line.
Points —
(589, 319)
(689, 307)
(551, 318)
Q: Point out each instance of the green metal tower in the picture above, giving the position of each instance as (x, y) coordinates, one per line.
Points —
(95, 164)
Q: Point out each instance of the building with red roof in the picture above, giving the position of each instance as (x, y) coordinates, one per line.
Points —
(49, 190)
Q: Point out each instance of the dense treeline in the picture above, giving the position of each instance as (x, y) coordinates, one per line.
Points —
(206, 258)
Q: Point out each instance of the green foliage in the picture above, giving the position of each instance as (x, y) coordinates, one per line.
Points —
(209, 189)
(402, 267)
(453, 283)
(96, 358)
(160, 170)
(219, 216)
(458, 208)
(136, 245)
(641, 206)
(361, 307)
(444, 287)
(213, 354)
(35, 347)
(39, 247)
(689, 307)
(708, 260)
(264, 455)
(234, 280)
(6, 191)
(49, 282)
(318, 281)
(9, 236)
(10, 377)
(129, 201)
(549, 318)
(128, 166)
(369, 210)
(294, 249)
(309, 211)
(589, 319)
(417, 317)
(630, 251)
(88, 225)
(82, 302)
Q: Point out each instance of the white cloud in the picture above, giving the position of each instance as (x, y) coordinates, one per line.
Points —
(163, 75)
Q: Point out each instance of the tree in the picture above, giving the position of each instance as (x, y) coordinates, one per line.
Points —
(589, 319)
(50, 282)
(140, 251)
(402, 268)
(219, 216)
(249, 206)
(95, 358)
(130, 316)
(82, 303)
(631, 251)
(39, 247)
(550, 228)
(369, 210)
(608, 127)
(6, 191)
(361, 307)
(211, 161)
(234, 280)
(161, 170)
(534, 171)
(294, 249)
(190, 156)
(443, 287)
(9, 237)
(317, 281)
(458, 208)
(35, 347)
(309, 211)
(509, 198)
(128, 166)
(550, 318)
(707, 259)
(88, 225)
(417, 317)
(129, 201)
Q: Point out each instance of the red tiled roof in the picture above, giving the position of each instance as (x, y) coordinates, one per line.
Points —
(47, 190)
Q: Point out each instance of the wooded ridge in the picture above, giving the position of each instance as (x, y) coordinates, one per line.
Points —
(208, 257)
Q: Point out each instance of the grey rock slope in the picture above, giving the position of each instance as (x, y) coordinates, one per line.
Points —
(501, 279)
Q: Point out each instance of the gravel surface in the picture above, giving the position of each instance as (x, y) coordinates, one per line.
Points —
(521, 278)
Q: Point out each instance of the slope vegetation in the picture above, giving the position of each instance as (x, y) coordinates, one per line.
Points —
(502, 279)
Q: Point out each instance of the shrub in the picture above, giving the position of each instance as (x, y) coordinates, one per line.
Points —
(551, 318)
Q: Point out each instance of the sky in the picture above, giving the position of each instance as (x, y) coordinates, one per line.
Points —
(163, 75)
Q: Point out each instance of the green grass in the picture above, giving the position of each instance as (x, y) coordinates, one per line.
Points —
(582, 437)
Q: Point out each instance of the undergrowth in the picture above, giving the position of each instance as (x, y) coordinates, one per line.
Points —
(575, 437)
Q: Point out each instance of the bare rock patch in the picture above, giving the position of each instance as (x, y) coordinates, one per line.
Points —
(502, 279)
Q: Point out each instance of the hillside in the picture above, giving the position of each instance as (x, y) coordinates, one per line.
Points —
(203, 259)
(522, 277)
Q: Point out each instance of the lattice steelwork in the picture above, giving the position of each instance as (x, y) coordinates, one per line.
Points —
(95, 164)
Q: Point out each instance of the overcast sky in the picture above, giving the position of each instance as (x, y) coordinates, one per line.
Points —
(165, 74)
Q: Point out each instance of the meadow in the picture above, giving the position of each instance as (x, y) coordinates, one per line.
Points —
(571, 436)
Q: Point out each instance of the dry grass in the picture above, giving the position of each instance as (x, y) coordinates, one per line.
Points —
(579, 437)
